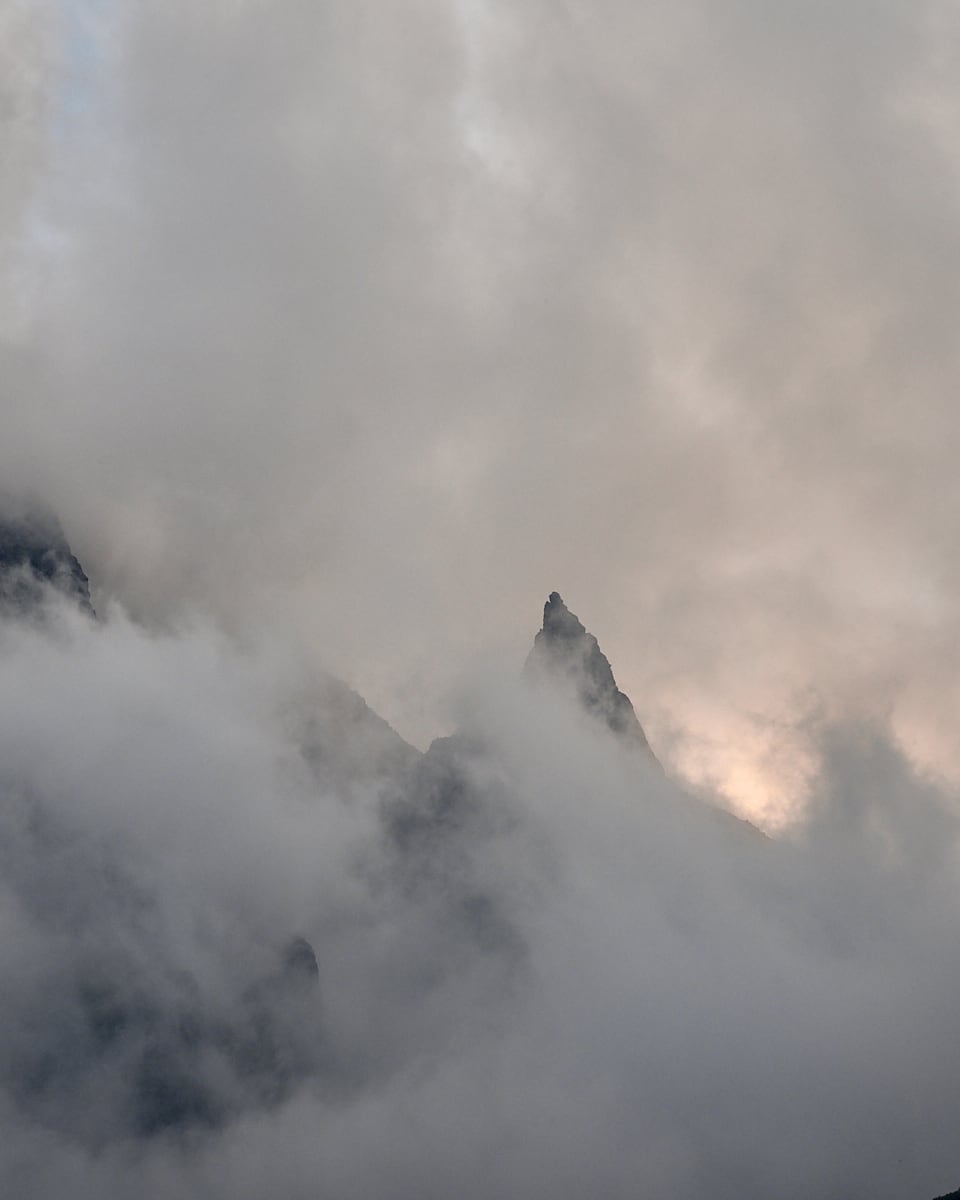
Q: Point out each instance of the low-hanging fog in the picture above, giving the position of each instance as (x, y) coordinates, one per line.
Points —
(579, 981)
(338, 335)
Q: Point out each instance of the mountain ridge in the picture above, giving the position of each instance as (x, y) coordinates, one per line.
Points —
(565, 653)
(34, 552)
(440, 813)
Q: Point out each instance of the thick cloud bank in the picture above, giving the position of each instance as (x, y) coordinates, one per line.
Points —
(540, 969)
(333, 314)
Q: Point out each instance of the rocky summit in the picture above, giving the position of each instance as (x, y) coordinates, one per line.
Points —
(162, 1006)
(34, 554)
(565, 653)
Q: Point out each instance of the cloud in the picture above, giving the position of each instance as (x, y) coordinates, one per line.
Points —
(371, 312)
(344, 335)
(28, 69)
(666, 1000)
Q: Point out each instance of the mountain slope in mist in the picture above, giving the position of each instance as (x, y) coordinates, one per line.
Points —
(34, 552)
(255, 944)
(166, 1056)
(566, 655)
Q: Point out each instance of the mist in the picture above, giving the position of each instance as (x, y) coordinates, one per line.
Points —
(322, 312)
(337, 335)
(578, 979)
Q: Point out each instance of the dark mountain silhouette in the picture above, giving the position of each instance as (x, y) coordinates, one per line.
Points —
(565, 654)
(454, 804)
(182, 1063)
(34, 554)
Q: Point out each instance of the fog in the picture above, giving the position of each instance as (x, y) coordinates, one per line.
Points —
(338, 335)
(315, 312)
(654, 1000)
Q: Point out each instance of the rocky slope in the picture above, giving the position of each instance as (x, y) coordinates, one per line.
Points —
(34, 554)
(567, 656)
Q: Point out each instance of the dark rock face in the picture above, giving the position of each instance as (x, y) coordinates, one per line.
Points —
(443, 830)
(565, 653)
(300, 968)
(454, 806)
(168, 1058)
(34, 554)
(174, 1057)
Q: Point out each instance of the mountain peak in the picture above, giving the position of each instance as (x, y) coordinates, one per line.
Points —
(35, 553)
(559, 621)
(565, 652)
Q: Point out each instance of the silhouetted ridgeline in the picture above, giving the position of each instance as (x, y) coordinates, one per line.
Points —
(136, 1019)
(565, 654)
(33, 554)
(178, 1061)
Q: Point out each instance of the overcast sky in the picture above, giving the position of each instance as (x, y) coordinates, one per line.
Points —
(340, 334)
(370, 324)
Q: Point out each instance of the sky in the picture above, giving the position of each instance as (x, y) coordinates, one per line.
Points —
(375, 324)
(340, 334)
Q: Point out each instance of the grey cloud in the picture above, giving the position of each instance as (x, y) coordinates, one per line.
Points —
(680, 1004)
(28, 53)
(351, 332)
(369, 312)
(525, 962)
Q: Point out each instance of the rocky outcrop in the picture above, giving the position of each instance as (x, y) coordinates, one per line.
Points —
(34, 556)
(564, 654)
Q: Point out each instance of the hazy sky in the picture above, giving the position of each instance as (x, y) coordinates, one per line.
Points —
(367, 325)
(341, 333)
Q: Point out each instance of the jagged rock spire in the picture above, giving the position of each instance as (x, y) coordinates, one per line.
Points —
(35, 553)
(564, 651)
